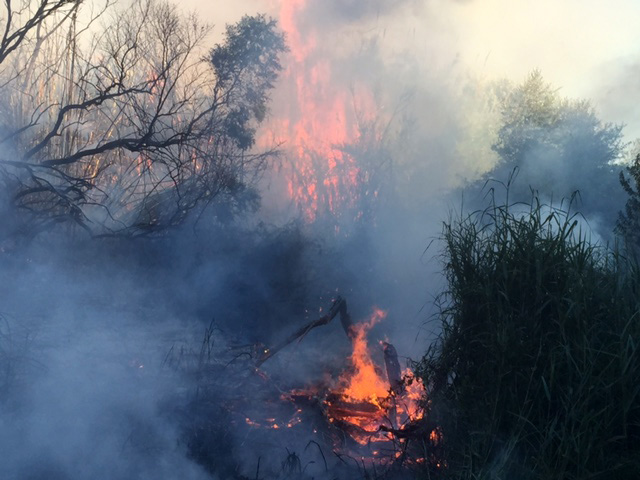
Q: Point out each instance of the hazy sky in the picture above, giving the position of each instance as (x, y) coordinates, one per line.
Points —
(588, 48)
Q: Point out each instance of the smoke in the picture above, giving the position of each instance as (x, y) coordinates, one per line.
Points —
(351, 12)
(84, 339)
(94, 331)
(613, 86)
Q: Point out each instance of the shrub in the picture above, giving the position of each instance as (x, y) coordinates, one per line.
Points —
(536, 372)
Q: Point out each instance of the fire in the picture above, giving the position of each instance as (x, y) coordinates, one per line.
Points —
(368, 412)
(366, 384)
(364, 399)
(324, 114)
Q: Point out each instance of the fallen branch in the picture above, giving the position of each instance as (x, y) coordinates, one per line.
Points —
(339, 307)
(412, 430)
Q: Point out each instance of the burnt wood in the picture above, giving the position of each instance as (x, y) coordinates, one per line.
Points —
(339, 307)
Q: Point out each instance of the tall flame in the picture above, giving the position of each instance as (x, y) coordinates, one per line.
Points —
(323, 116)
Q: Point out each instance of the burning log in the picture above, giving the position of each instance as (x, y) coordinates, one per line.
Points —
(394, 374)
(339, 406)
(364, 411)
(339, 307)
(413, 430)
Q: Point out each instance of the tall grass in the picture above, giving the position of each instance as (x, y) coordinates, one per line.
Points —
(536, 374)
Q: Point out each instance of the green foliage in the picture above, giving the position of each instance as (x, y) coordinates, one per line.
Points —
(529, 113)
(246, 66)
(536, 374)
(628, 224)
(535, 117)
(558, 146)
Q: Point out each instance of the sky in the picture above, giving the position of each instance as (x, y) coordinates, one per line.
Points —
(587, 48)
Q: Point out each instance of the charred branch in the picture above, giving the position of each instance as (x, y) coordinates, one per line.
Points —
(130, 130)
(339, 307)
(418, 429)
(394, 374)
(14, 35)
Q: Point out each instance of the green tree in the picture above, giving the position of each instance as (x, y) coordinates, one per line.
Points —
(558, 146)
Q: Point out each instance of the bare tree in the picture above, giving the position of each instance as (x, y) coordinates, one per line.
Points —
(126, 128)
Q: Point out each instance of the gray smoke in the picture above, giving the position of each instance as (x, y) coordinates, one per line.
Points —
(102, 340)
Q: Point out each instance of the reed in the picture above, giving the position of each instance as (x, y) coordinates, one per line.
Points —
(536, 372)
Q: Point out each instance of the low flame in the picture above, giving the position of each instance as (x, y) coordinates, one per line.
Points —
(364, 400)
(361, 403)
(366, 384)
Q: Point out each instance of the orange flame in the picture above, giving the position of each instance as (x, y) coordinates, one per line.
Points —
(362, 401)
(364, 396)
(366, 384)
(322, 117)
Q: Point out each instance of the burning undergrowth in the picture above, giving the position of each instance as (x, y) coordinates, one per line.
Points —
(155, 404)
(364, 416)
(364, 404)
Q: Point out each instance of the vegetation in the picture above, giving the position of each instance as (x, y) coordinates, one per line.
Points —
(127, 127)
(536, 117)
(628, 224)
(558, 146)
(536, 374)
